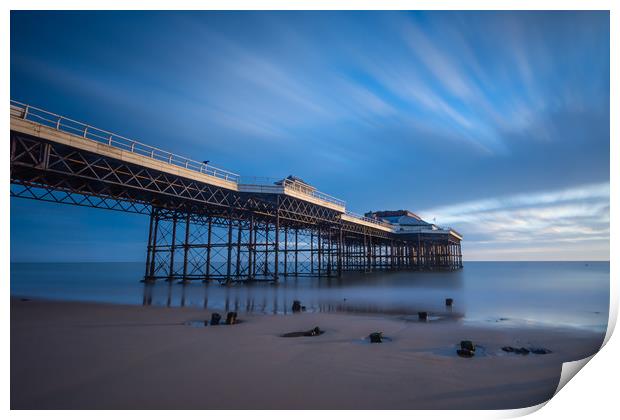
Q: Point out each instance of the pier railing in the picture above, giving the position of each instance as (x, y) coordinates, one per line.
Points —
(316, 194)
(77, 128)
(70, 126)
(370, 220)
(270, 184)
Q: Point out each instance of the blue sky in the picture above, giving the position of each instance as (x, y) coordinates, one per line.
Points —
(496, 123)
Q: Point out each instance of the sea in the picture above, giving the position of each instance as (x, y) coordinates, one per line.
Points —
(561, 294)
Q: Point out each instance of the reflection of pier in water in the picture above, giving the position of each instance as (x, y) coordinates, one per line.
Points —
(265, 299)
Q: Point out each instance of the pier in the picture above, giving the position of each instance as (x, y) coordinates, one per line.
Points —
(206, 223)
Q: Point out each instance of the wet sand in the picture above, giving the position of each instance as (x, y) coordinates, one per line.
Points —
(67, 355)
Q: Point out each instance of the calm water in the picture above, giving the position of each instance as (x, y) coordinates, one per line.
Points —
(560, 293)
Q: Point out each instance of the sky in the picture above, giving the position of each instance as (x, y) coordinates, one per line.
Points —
(493, 123)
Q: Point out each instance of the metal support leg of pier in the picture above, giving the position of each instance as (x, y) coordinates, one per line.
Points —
(276, 248)
(250, 246)
(319, 251)
(285, 253)
(186, 247)
(311, 253)
(172, 248)
(340, 251)
(229, 247)
(149, 246)
(154, 247)
(212, 249)
(296, 251)
(238, 251)
(208, 257)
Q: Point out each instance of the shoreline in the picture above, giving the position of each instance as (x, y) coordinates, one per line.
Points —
(92, 355)
(446, 316)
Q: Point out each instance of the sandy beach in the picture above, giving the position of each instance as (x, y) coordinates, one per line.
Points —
(68, 355)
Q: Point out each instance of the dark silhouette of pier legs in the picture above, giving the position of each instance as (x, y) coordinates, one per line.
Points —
(233, 247)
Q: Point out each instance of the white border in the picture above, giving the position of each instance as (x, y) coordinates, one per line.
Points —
(592, 395)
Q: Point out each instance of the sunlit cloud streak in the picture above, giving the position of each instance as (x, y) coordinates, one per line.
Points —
(573, 216)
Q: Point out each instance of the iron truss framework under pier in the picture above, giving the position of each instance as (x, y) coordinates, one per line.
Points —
(207, 226)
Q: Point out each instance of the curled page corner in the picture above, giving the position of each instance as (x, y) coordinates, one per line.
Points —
(570, 369)
(521, 412)
(613, 316)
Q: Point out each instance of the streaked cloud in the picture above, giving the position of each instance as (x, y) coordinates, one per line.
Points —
(431, 109)
(549, 222)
